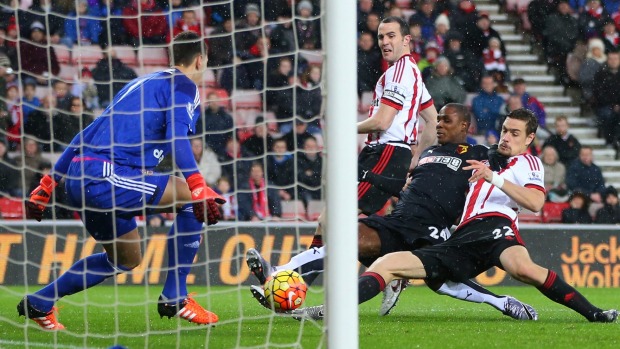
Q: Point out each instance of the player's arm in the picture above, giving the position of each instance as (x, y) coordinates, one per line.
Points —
(392, 186)
(41, 195)
(530, 198)
(379, 122)
(428, 136)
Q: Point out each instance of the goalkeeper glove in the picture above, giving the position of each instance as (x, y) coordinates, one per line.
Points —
(497, 161)
(205, 200)
(40, 197)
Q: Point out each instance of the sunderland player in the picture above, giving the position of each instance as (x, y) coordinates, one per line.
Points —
(488, 234)
(429, 205)
(108, 171)
(400, 96)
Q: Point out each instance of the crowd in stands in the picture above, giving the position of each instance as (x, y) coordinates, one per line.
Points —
(266, 154)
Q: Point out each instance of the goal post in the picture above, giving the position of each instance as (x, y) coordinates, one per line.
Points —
(341, 74)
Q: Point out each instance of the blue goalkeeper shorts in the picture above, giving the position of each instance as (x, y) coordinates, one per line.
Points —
(111, 195)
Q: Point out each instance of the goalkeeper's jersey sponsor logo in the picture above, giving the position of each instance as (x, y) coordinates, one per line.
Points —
(450, 161)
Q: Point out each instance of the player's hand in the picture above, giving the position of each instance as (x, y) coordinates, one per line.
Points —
(497, 161)
(480, 171)
(40, 197)
(206, 202)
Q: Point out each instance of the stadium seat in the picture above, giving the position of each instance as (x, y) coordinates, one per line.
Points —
(293, 210)
(247, 99)
(314, 57)
(63, 54)
(67, 73)
(315, 207)
(126, 54)
(86, 55)
(246, 117)
(527, 216)
(552, 211)
(11, 208)
(153, 56)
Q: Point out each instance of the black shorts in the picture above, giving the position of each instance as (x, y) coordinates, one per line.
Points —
(471, 250)
(386, 160)
(397, 234)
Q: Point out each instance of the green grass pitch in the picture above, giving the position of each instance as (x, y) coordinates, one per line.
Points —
(421, 320)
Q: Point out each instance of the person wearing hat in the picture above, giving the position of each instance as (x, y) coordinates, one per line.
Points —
(38, 60)
(595, 58)
(442, 26)
(308, 29)
(610, 212)
(250, 23)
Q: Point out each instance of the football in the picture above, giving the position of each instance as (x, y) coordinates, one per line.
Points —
(285, 290)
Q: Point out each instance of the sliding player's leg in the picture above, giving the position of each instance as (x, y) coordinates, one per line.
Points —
(184, 239)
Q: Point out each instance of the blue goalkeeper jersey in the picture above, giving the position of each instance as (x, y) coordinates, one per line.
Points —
(139, 127)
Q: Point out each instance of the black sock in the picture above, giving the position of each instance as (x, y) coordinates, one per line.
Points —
(311, 270)
(559, 291)
(370, 284)
(317, 241)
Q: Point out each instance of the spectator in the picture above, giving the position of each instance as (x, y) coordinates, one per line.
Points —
(368, 64)
(66, 125)
(229, 209)
(8, 47)
(364, 8)
(281, 170)
(463, 19)
(283, 36)
(555, 173)
(443, 86)
(586, 177)
(490, 138)
(560, 34)
(296, 138)
(208, 165)
(537, 12)
(233, 166)
(9, 173)
(493, 58)
(175, 12)
(221, 45)
(425, 64)
(468, 68)
(39, 122)
(426, 15)
(249, 27)
(565, 143)
(610, 36)
(80, 28)
(417, 44)
(217, 126)
(259, 142)
(595, 58)
(592, 19)
(14, 118)
(261, 203)
(529, 102)
(30, 101)
(577, 213)
(309, 30)
(155, 221)
(309, 169)
(188, 22)
(275, 9)
(110, 13)
(607, 97)
(280, 94)
(44, 12)
(86, 89)
(60, 90)
(29, 160)
(111, 75)
(610, 212)
(372, 25)
(487, 105)
(153, 27)
(310, 99)
(442, 26)
(38, 59)
(478, 39)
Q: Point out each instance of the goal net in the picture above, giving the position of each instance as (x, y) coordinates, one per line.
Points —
(260, 141)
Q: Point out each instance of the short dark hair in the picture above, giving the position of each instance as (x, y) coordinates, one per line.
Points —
(518, 81)
(404, 28)
(185, 47)
(461, 110)
(531, 121)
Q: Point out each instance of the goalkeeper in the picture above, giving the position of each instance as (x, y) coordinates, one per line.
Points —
(108, 171)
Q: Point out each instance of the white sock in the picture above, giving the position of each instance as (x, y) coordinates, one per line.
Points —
(466, 293)
(305, 257)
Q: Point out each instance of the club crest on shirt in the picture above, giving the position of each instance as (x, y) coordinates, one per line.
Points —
(461, 149)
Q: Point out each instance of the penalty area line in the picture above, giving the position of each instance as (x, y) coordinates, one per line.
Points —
(23, 344)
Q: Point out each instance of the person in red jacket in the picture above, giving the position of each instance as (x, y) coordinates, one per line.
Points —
(187, 22)
(152, 28)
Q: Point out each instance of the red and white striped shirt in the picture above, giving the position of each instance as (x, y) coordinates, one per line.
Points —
(402, 88)
(485, 199)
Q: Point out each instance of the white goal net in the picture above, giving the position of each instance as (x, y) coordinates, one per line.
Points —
(259, 142)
